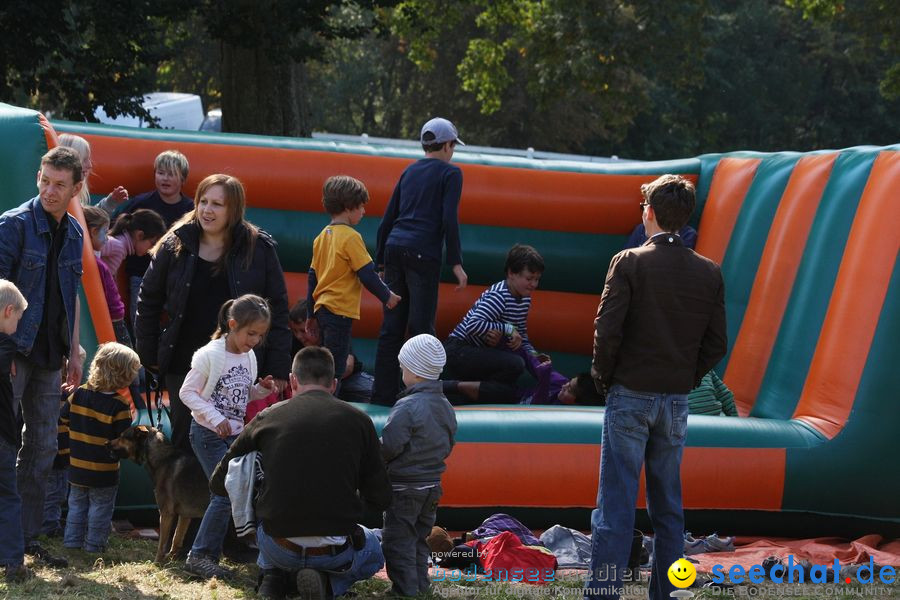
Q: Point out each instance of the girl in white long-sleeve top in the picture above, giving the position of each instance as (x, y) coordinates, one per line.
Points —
(217, 389)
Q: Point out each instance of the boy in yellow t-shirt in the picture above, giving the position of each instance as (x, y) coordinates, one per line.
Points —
(340, 266)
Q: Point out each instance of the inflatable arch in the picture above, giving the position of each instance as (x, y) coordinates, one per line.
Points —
(808, 245)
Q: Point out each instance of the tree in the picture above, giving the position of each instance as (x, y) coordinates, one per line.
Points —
(266, 45)
(194, 63)
(876, 22)
(68, 56)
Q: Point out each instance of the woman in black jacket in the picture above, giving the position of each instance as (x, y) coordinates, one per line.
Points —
(210, 255)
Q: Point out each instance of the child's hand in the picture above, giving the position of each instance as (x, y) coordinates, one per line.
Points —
(267, 382)
(461, 277)
(118, 195)
(492, 337)
(515, 340)
(223, 429)
(312, 328)
(393, 301)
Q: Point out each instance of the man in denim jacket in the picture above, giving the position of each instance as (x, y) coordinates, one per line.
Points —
(36, 239)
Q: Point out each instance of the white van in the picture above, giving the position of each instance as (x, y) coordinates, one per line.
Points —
(174, 111)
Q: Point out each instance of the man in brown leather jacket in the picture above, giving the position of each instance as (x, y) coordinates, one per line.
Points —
(660, 327)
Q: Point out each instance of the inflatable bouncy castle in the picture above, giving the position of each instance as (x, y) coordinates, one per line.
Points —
(808, 245)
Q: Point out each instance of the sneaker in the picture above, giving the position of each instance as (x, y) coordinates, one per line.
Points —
(693, 546)
(43, 556)
(205, 567)
(714, 543)
(310, 584)
(272, 584)
(18, 573)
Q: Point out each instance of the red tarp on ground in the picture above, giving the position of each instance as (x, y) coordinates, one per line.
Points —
(751, 551)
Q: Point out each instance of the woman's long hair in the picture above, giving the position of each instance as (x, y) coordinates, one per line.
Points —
(83, 148)
(235, 205)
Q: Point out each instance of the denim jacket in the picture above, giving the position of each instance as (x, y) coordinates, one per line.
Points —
(24, 244)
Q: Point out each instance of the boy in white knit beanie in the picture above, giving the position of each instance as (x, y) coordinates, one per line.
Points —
(416, 440)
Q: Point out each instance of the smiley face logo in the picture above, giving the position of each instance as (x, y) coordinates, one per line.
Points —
(682, 573)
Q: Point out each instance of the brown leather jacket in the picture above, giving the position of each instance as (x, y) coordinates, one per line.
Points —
(660, 325)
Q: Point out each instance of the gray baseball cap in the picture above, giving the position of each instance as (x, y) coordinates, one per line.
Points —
(442, 130)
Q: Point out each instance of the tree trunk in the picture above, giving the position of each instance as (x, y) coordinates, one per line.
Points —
(263, 96)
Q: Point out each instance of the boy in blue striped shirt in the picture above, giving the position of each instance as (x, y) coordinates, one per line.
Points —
(97, 413)
(488, 344)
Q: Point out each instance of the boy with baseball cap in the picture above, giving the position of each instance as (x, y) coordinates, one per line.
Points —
(416, 440)
(421, 218)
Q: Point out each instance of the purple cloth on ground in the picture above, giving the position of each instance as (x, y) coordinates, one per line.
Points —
(496, 524)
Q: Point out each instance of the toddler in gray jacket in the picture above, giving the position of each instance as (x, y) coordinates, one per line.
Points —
(416, 440)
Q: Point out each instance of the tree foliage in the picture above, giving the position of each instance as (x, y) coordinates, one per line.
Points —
(637, 78)
(876, 22)
(75, 55)
(266, 45)
(643, 79)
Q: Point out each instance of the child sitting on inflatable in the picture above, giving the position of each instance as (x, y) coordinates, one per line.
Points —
(488, 345)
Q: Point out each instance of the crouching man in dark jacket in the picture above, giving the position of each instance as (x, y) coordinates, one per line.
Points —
(322, 460)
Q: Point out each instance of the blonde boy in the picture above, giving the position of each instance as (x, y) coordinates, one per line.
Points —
(170, 171)
(97, 413)
(12, 550)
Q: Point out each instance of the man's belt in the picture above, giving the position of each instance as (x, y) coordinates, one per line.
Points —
(331, 550)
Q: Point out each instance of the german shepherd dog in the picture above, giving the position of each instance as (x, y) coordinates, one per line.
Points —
(179, 483)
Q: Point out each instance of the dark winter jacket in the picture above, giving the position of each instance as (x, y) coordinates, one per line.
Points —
(166, 286)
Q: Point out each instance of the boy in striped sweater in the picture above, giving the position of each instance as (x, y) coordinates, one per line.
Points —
(97, 414)
(487, 345)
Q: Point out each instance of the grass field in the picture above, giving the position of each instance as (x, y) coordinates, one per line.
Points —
(127, 572)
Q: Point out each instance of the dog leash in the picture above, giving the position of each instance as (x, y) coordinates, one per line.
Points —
(152, 384)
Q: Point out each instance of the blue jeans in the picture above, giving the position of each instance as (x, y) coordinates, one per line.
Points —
(343, 570)
(407, 522)
(210, 449)
(638, 428)
(57, 489)
(12, 543)
(415, 279)
(37, 390)
(90, 517)
(335, 330)
(356, 388)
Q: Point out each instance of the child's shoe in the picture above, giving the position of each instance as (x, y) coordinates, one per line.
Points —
(714, 543)
(205, 567)
(693, 546)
